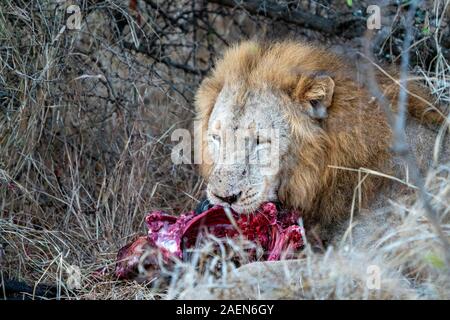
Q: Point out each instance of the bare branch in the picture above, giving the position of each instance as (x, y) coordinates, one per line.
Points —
(274, 10)
(168, 62)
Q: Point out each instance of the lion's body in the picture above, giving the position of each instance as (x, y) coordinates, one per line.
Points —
(314, 174)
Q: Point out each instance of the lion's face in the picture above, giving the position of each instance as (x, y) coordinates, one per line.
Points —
(247, 137)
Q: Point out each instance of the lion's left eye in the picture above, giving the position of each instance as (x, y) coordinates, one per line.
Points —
(260, 140)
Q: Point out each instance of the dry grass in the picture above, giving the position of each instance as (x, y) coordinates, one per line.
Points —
(85, 143)
(85, 126)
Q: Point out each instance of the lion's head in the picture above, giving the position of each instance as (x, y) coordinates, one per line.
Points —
(296, 109)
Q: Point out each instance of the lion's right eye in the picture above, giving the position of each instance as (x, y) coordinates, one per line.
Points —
(215, 137)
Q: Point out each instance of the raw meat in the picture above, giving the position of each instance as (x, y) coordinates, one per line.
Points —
(278, 233)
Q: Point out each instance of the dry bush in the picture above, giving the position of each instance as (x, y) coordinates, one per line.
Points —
(85, 123)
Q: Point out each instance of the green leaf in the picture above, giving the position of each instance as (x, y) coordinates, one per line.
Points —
(435, 260)
(350, 3)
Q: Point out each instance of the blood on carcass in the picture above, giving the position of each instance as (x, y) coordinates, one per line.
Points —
(276, 232)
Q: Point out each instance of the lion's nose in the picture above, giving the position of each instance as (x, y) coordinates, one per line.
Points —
(230, 199)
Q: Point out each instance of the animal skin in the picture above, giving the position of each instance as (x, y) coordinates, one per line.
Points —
(326, 119)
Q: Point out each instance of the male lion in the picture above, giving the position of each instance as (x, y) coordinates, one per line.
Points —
(326, 121)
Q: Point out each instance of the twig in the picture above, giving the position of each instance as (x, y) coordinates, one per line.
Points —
(164, 60)
(13, 289)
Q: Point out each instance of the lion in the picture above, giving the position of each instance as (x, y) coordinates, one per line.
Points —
(328, 126)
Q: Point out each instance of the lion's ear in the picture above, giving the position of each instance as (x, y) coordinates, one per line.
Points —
(315, 94)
